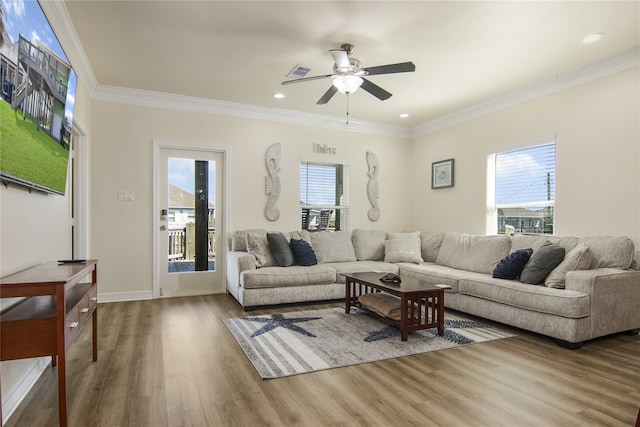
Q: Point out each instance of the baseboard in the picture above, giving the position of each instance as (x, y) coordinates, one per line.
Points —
(124, 296)
(16, 394)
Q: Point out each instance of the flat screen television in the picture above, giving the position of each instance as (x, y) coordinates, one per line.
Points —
(36, 106)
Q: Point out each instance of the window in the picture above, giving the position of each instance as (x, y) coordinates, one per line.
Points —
(522, 190)
(324, 198)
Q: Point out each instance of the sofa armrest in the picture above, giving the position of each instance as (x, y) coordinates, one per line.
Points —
(615, 298)
(237, 262)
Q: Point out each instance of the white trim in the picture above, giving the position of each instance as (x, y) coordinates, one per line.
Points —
(124, 296)
(521, 145)
(223, 108)
(543, 204)
(82, 191)
(16, 394)
(162, 144)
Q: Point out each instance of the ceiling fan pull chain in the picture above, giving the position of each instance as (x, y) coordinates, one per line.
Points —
(347, 107)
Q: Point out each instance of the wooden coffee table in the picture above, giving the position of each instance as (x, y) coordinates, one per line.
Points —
(421, 303)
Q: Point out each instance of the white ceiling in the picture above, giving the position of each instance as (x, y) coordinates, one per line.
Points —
(240, 51)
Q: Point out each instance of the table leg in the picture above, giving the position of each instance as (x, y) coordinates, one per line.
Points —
(61, 348)
(404, 321)
(347, 297)
(440, 305)
(94, 322)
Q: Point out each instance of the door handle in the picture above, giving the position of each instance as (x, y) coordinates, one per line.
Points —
(163, 227)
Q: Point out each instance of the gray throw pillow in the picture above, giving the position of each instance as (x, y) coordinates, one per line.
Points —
(541, 263)
(280, 249)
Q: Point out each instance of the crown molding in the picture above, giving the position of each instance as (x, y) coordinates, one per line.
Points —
(625, 60)
(223, 108)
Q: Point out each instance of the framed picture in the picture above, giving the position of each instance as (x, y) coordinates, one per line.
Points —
(442, 174)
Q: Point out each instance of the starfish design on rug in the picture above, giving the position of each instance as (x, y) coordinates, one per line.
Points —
(278, 320)
(389, 332)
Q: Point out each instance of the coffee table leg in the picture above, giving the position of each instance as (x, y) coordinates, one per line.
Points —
(347, 298)
(440, 305)
(404, 321)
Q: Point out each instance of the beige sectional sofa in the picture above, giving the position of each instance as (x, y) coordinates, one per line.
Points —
(594, 291)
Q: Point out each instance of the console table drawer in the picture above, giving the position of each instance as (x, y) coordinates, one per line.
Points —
(72, 325)
(84, 310)
(93, 298)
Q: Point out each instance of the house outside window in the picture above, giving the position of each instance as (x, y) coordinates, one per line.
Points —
(521, 189)
(324, 198)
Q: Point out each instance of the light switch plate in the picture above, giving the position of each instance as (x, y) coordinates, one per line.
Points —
(125, 195)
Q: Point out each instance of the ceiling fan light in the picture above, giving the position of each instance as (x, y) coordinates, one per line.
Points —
(347, 84)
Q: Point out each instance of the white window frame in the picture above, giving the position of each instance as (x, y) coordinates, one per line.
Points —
(343, 206)
(492, 206)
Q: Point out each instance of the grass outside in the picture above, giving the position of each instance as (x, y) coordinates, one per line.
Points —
(29, 153)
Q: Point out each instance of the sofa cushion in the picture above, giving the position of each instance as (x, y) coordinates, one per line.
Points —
(511, 266)
(239, 238)
(535, 241)
(258, 246)
(609, 251)
(403, 250)
(439, 274)
(333, 246)
(543, 260)
(635, 264)
(302, 252)
(403, 235)
(431, 243)
(474, 253)
(527, 241)
(279, 246)
(278, 277)
(300, 235)
(560, 302)
(368, 244)
(578, 258)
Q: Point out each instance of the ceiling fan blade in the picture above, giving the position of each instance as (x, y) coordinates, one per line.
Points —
(402, 67)
(327, 95)
(341, 57)
(306, 79)
(375, 90)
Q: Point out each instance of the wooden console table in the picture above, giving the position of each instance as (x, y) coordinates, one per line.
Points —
(57, 306)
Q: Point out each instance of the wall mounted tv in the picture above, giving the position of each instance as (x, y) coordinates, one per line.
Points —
(36, 105)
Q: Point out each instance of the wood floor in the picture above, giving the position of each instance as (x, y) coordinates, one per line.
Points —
(172, 362)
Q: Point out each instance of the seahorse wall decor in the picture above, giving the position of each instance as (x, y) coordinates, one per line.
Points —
(272, 182)
(372, 186)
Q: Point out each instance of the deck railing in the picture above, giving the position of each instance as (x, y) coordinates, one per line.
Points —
(182, 242)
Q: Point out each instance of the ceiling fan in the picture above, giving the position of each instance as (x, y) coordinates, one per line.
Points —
(348, 75)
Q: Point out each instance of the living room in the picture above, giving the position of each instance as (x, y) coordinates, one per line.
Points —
(592, 114)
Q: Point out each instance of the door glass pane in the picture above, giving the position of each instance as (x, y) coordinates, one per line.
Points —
(191, 215)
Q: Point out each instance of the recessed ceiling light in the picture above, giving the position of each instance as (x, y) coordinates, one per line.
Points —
(278, 95)
(592, 37)
(404, 115)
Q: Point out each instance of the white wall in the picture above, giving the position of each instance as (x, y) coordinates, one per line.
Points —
(597, 126)
(122, 138)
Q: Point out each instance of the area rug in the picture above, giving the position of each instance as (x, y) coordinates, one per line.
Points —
(298, 342)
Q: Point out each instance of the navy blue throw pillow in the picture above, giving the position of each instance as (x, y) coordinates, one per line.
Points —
(512, 265)
(303, 252)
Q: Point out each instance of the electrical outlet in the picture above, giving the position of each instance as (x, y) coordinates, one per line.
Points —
(125, 195)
